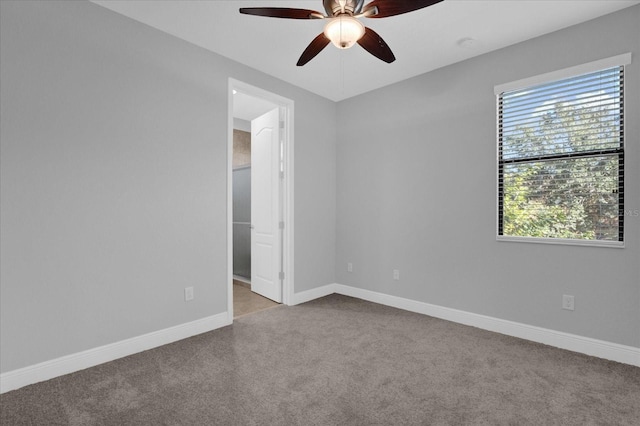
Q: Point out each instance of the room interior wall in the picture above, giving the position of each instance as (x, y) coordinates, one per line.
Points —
(241, 163)
(240, 124)
(113, 186)
(114, 180)
(242, 221)
(241, 148)
(417, 192)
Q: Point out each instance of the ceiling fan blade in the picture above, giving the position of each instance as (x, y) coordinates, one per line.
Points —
(394, 7)
(374, 44)
(282, 12)
(315, 47)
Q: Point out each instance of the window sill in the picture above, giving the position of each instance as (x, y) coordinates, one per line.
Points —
(561, 241)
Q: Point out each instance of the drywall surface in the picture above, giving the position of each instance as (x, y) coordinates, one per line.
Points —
(416, 191)
(114, 180)
(241, 148)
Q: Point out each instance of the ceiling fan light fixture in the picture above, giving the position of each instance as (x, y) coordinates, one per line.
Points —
(344, 31)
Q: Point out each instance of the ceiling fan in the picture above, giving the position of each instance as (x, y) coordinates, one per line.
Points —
(344, 29)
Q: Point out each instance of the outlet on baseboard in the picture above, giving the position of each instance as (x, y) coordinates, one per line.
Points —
(188, 294)
(396, 274)
(567, 302)
(349, 267)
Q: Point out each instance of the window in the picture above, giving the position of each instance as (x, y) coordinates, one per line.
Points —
(561, 156)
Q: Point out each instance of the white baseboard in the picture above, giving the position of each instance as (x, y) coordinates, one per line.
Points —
(79, 361)
(586, 345)
(70, 363)
(242, 279)
(314, 293)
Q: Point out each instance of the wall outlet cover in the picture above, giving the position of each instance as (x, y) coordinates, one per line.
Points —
(568, 302)
(188, 294)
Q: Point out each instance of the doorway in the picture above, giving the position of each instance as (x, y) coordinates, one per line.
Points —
(260, 199)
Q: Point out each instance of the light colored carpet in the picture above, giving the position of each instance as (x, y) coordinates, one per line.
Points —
(338, 361)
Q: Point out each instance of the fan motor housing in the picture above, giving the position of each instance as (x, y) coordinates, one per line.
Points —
(332, 7)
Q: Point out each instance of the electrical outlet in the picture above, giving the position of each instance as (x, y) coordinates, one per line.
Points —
(396, 274)
(188, 294)
(567, 302)
(349, 267)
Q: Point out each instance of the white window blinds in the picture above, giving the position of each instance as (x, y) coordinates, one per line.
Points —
(561, 158)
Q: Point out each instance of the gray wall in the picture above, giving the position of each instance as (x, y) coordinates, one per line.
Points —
(241, 221)
(417, 192)
(114, 180)
(113, 186)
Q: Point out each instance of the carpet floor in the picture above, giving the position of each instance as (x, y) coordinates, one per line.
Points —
(338, 361)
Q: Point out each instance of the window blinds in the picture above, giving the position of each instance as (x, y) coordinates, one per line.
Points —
(561, 158)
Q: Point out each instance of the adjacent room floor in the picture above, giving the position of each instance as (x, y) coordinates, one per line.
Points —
(247, 302)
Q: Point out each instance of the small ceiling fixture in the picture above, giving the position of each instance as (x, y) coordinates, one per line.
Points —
(344, 30)
(467, 42)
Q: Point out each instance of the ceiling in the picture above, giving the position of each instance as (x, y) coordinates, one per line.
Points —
(247, 107)
(422, 41)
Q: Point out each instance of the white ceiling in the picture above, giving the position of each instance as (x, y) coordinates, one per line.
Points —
(247, 107)
(422, 41)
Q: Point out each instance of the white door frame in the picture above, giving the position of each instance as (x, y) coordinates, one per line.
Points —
(286, 114)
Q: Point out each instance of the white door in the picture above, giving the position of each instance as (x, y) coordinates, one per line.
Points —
(265, 206)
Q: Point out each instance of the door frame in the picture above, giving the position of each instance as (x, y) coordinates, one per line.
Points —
(286, 114)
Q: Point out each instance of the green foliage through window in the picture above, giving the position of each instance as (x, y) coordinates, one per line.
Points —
(561, 159)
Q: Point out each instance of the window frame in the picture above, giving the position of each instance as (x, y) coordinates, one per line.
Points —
(575, 71)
